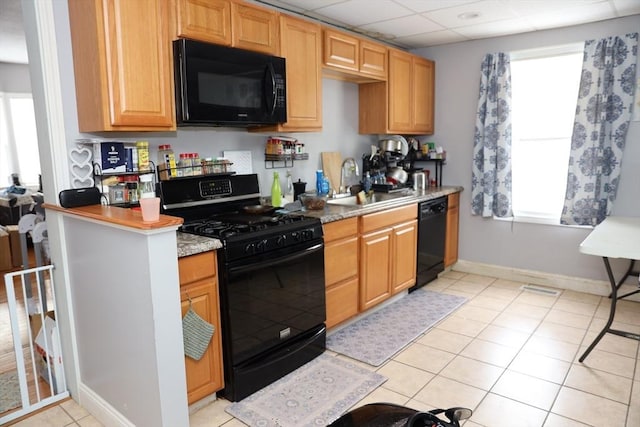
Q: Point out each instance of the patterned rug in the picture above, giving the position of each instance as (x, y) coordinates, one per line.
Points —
(315, 394)
(9, 391)
(377, 337)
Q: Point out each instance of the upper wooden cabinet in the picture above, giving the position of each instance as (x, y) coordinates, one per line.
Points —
(405, 103)
(350, 58)
(301, 46)
(204, 20)
(229, 23)
(255, 28)
(123, 69)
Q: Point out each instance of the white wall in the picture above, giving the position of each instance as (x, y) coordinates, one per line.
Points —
(14, 78)
(544, 248)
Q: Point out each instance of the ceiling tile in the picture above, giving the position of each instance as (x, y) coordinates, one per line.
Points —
(361, 12)
(626, 7)
(303, 5)
(496, 28)
(430, 39)
(488, 11)
(420, 6)
(573, 16)
(405, 26)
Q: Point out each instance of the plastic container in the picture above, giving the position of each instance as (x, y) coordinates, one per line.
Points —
(276, 191)
(146, 188)
(142, 148)
(366, 184)
(167, 162)
(196, 164)
(322, 183)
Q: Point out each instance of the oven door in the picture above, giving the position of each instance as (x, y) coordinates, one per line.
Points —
(271, 300)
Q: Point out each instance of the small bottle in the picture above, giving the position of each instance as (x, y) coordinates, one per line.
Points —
(276, 192)
(167, 161)
(288, 191)
(319, 181)
(146, 189)
(366, 184)
(196, 164)
(142, 148)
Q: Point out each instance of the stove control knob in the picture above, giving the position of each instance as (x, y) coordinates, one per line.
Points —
(308, 234)
(296, 236)
(250, 249)
(261, 245)
(281, 240)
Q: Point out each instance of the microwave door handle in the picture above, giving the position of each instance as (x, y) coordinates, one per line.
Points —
(271, 78)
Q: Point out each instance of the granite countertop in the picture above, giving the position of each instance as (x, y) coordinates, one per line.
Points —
(189, 244)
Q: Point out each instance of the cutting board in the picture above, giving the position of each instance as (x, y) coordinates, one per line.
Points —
(331, 164)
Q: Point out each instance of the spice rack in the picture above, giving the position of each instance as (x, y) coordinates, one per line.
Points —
(285, 159)
(207, 168)
(121, 199)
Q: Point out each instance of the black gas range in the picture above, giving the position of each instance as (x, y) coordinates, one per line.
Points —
(271, 277)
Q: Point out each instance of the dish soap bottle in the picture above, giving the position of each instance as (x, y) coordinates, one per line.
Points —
(276, 192)
(288, 191)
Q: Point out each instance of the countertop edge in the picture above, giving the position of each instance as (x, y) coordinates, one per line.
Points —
(118, 216)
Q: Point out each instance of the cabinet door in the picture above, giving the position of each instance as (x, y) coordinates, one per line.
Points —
(404, 252)
(255, 28)
(301, 45)
(340, 50)
(204, 20)
(400, 97)
(423, 95)
(123, 70)
(342, 302)
(373, 59)
(375, 268)
(451, 240)
(204, 376)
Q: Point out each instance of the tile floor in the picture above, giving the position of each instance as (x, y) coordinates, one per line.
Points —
(508, 354)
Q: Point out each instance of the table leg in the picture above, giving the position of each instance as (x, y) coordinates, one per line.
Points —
(612, 312)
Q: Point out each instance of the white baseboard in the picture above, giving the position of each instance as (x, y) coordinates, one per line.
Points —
(101, 410)
(596, 287)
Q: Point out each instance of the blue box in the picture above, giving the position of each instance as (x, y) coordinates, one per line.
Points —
(110, 157)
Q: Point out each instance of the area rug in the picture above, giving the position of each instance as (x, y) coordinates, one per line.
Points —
(376, 337)
(315, 394)
(9, 391)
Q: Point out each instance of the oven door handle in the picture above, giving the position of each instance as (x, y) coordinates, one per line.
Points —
(277, 261)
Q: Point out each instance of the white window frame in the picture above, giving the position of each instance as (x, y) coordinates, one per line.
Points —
(545, 52)
(9, 146)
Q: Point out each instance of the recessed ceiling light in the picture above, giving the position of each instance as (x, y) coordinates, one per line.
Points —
(468, 15)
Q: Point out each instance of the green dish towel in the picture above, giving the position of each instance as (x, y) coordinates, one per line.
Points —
(197, 334)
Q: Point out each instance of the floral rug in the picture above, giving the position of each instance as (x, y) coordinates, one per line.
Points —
(315, 394)
(377, 337)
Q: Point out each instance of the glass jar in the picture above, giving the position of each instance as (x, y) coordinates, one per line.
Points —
(131, 184)
(167, 162)
(146, 188)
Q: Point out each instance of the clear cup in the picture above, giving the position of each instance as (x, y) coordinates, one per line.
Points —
(150, 208)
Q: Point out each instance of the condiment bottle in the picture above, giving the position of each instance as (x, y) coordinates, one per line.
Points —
(288, 191)
(142, 147)
(276, 192)
(167, 160)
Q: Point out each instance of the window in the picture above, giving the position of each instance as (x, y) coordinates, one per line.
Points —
(544, 95)
(18, 140)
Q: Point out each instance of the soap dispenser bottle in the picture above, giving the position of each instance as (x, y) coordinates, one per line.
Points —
(276, 192)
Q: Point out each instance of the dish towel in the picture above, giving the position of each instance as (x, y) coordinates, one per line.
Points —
(197, 334)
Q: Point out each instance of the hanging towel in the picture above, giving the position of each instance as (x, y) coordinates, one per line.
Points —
(197, 334)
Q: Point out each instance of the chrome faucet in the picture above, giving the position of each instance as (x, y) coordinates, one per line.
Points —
(351, 171)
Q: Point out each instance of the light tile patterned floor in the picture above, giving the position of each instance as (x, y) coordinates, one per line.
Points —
(508, 354)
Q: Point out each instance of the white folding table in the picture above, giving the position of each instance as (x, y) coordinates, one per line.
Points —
(615, 237)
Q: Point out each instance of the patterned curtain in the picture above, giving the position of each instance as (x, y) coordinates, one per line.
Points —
(491, 179)
(600, 128)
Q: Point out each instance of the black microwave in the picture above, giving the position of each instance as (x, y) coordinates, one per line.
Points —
(223, 86)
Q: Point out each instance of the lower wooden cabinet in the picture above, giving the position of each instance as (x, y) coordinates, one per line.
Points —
(341, 270)
(451, 240)
(199, 288)
(388, 244)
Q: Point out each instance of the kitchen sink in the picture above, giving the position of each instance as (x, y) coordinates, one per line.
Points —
(375, 198)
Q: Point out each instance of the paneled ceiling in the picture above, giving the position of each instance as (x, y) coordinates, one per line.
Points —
(408, 24)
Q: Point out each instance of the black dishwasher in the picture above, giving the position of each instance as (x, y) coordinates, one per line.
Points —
(432, 227)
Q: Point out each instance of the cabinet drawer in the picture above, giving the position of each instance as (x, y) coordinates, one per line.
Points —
(341, 260)
(388, 217)
(197, 267)
(340, 229)
(342, 302)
